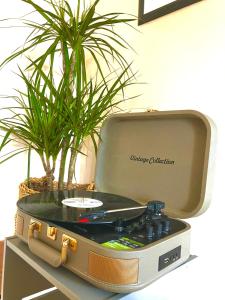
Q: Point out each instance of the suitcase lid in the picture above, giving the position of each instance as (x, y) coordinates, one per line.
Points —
(165, 156)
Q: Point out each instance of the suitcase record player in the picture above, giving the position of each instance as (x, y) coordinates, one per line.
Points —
(153, 169)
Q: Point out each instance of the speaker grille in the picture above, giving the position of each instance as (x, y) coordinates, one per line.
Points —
(113, 270)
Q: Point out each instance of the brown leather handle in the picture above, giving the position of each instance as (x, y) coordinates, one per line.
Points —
(45, 252)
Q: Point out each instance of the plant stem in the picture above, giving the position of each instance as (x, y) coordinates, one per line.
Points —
(64, 142)
(71, 168)
(62, 165)
(75, 143)
(64, 150)
(49, 175)
(71, 74)
(73, 157)
(48, 171)
(43, 162)
(28, 166)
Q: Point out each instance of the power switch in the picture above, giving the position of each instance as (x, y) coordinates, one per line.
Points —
(168, 258)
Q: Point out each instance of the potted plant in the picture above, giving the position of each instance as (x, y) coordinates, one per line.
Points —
(62, 104)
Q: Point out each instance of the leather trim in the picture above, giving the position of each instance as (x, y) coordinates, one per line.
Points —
(113, 270)
(19, 224)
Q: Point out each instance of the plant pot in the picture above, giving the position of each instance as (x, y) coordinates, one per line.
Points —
(38, 185)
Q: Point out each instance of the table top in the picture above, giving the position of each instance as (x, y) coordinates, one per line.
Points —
(193, 280)
(67, 282)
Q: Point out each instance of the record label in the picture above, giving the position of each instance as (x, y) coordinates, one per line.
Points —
(82, 202)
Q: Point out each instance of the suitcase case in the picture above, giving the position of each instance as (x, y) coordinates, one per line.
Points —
(164, 155)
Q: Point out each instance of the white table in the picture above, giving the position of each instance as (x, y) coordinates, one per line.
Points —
(25, 274)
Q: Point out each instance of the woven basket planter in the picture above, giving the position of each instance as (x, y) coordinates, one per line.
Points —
(38, 185)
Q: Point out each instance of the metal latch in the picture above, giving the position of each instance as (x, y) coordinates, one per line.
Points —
(52, 232)
(34, 226)
(71, 242)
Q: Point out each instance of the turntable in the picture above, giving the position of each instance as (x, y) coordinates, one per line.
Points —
(153, 169)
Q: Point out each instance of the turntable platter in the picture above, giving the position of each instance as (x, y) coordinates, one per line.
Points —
(70, 206)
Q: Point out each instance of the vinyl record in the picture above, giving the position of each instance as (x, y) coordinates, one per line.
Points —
(73, 206)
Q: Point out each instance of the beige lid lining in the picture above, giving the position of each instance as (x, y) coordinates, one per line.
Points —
(156, 156)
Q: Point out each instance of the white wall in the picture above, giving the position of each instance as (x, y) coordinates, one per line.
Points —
(14, 171)
(180, 56)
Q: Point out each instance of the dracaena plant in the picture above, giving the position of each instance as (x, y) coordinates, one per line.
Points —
(53, 119)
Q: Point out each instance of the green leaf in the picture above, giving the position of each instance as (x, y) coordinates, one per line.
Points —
(5, 140)
(55, 113)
